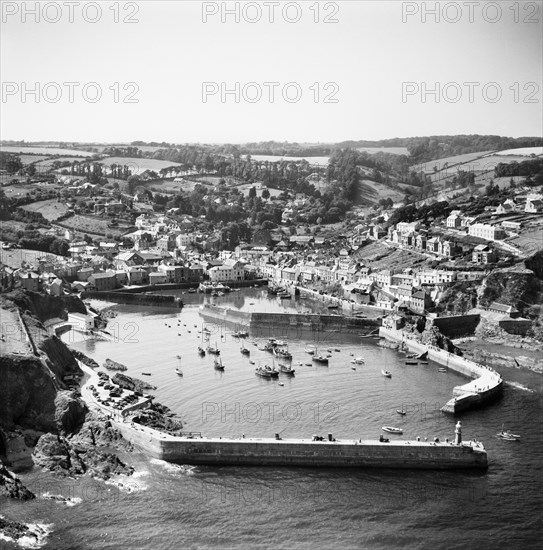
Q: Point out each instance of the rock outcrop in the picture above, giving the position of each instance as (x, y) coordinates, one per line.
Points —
(109, 364)
(132, 384)
(86, 452)
(11, 486)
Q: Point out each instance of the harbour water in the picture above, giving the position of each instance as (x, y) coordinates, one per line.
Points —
(167, 506)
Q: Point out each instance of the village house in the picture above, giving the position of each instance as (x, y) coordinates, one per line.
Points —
(103, 281)
(81, 321)
(29, 280)
(504, 309)
(486, 231)
(157, 278)
(420, 301)
(483, 254)
(533, 205)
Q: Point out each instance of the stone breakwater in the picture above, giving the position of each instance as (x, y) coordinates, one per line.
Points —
(487, 385)
(306, 453)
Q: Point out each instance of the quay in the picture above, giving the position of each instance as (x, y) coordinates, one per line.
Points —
(488, 383)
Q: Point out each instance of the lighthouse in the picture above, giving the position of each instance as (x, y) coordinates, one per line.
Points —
(458, 433)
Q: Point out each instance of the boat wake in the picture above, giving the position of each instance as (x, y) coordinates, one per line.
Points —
(518, 386)
(173, 468)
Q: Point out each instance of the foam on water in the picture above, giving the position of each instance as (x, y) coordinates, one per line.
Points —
(129, 485)
(518, 386)
(40, 531)
(173, 468)
(68, 501)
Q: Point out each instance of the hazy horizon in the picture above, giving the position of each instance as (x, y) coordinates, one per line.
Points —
(319, 73)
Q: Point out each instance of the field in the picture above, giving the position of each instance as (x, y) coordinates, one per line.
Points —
(92, 226)
(530, 241)
(245, 188)
(137, 165)
(45, 151)
(14, 258)
(30, 159)
(372, 192)
(449, 162)
(391, 150)
(48, 161)
(523, 151)
(50, 209)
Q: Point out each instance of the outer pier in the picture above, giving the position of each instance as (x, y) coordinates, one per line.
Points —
(487, 384)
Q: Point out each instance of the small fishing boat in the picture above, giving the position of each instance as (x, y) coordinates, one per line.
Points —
(423, 362)
(282, 353)
(337, 349)
(357, 361)
(179, 372)
(402, 412)
(214, 351)
(442, 369)
(309, 364)
(320, 359)
(311, 351)
(353, 368)
(507, 436)
(411, 362)
(252, 362)
(285, 369)
(392, 430)
(201, 351)
(217, 364)
(386, 373)
(244, 350)
(146, 373)
(267, 372)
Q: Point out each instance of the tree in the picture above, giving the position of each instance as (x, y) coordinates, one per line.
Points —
(252, 193)
(266, 194)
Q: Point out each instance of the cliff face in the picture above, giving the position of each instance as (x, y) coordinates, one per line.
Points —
(45, 306)
(27, 393)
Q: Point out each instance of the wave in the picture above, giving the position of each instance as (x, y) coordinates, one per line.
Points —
(35, 539)
(519, 386)
(173, 468)
(59, 498)
(128, 485)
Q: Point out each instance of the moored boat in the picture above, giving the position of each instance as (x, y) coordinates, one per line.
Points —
(178, 371)
(357, 361)
(386, 373)
(244, 350)
(392, 430)
(285, 369)
(217, 364)
(282, 353)
(213, 350)
(267, 372)
(508, 436)
(320, 358)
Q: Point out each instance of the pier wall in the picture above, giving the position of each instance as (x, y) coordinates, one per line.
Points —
(254, 452)
(131, 298)
(293, 324)
(487, 383)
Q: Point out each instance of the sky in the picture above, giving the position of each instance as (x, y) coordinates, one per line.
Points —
(234, 72)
